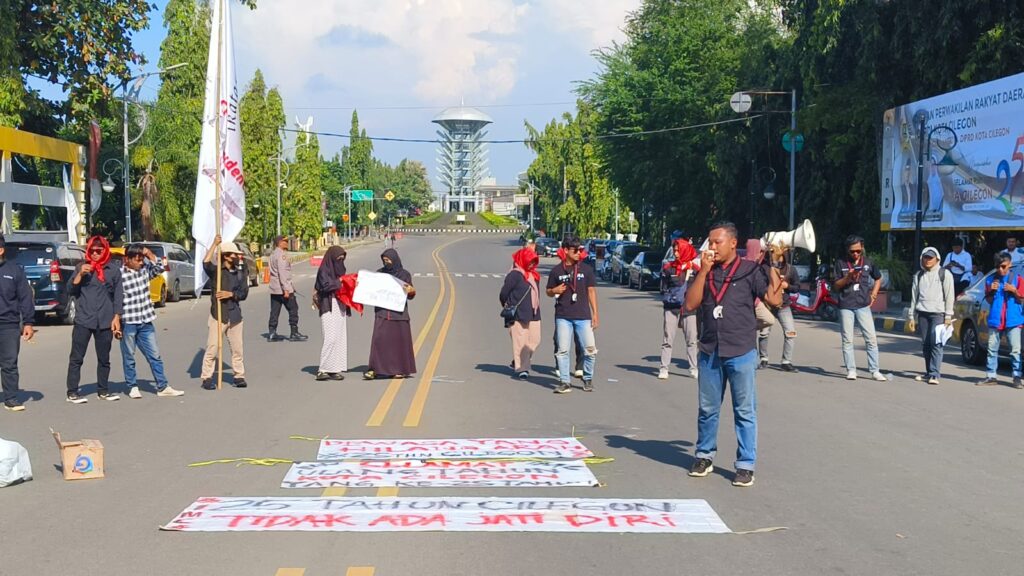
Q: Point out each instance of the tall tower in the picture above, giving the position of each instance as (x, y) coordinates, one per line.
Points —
(461, 157)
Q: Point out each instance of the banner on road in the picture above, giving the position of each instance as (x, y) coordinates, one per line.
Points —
(974, 167)
(439, 473)
(458, 448)
(403, 514)
(379, 289)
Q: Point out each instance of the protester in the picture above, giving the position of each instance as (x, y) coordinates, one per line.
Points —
(391, 351)
(857, 286)
(282, 293)
(17, 317)
(578, 353)
(140, 267)
(1004, 291)
(790, 285)
(333, 315)
(674, 278)
(234, 288)
(972, 276)
(931, 299)
(724, 291)
(573, 285)
(521, 291)
(1016, 252)
(959, 263)
(99, 297)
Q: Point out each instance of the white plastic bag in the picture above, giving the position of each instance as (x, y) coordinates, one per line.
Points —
(14, 465)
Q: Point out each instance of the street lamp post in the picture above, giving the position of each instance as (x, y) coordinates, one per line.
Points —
(945, 166)
(740, 103)
(125, 167)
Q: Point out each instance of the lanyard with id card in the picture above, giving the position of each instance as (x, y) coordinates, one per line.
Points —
(719, 310)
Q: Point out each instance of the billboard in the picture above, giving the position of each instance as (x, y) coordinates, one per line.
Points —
(973, 168)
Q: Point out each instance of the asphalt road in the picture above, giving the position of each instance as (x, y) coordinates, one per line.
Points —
(869, 477)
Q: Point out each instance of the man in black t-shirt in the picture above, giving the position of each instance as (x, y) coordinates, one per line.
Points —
(857, 285)
(723, 293)
(573, 286)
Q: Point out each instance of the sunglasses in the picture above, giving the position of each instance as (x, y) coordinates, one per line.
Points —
(573, 248)
(856, 251)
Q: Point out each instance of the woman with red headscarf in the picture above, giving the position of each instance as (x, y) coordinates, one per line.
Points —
(674, 279)
(521, 291)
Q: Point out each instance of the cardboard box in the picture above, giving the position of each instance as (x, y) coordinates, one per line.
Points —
(80, 459)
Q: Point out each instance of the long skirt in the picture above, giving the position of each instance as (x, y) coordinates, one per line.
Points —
(391, 348)
(334, 353)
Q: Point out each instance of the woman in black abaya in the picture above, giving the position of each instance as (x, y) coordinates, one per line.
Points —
(391, 351)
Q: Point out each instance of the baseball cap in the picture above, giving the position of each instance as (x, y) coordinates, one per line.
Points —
(229, 248)
(277, 239)
(930, 251)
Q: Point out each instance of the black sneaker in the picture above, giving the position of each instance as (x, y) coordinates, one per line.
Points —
(524, 375)
(337, 376)
(701, 468)
(743, 478)
(988, 381)
(273, 336)
(563, 388)
(74, 398)
(321, 376)
(13, 406)
(588, 385)
(108, 396)
(240, 383)
(1017, 383)
(297, 337)
(208, 384)
(787, 367)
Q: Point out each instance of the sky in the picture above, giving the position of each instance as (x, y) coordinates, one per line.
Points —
(400, 62)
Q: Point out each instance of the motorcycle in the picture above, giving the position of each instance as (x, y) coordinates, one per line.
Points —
(823, 304)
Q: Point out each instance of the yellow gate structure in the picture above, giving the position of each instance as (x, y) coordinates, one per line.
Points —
(28, 144)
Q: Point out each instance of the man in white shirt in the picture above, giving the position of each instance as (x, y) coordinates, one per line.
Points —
(1016, 253)
(959, 263)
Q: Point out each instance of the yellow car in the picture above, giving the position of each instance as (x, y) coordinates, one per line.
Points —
(157, 286)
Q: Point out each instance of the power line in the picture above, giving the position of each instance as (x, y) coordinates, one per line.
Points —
(527, 141)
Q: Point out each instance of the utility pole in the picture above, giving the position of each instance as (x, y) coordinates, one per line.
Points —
(792, 163)
(616, 236)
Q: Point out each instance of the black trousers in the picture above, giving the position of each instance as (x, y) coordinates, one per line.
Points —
(10, 346)
(290, 304)
(80, 336)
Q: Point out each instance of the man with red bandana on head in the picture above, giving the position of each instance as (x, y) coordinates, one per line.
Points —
(98, 297)
(675, 276)
(521, 291)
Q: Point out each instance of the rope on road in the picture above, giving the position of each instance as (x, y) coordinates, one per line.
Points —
(240, 461)
(762, 530)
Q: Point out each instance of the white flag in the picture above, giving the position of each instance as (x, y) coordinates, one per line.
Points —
(74, 215)
(220, 113)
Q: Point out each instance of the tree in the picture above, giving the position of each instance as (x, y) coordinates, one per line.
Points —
(260, 123)
(303, 212)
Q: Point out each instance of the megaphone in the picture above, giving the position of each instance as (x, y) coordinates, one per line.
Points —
(802, 237)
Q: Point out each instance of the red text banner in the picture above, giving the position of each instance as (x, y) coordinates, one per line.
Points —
(439, 473)
(406, 514)
(462, 448)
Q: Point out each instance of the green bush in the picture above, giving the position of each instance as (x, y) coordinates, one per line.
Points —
(900, 277)
(425, 218)
(499, 221)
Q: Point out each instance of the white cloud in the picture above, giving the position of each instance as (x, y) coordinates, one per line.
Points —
(595, 23)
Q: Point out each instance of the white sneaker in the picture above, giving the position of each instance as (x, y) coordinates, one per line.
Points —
(879, 377)
(851, 375)
(134, 393)
(694, 373)
(663, 374)
(170, 392)
(578, 373)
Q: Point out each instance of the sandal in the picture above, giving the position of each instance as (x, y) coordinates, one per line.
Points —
(369, 375)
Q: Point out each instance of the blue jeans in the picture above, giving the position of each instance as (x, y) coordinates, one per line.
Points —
(1013, 336)
(584, 330)
(713, 373)
(142, 336)
(867, 328)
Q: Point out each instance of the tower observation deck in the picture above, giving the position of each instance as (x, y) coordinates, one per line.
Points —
(461, 157)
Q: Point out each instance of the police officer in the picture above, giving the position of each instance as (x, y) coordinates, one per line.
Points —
(16, 315)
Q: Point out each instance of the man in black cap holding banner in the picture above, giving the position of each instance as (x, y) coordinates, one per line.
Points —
(723, 293)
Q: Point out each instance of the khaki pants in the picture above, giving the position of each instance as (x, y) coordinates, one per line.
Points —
(525, 340)
(234, 337)
(673, 321)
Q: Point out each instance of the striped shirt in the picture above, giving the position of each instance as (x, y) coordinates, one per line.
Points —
(138, 307)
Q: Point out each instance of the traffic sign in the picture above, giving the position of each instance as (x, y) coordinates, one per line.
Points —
(362, 195)
(797, 141)
(389, 196)
(372, 216)
(344, 217)
(740, 102)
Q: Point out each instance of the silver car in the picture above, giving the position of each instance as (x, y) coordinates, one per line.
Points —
(179, 270)
(970, 321)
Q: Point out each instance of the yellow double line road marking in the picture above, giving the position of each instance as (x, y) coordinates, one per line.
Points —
(391, 392)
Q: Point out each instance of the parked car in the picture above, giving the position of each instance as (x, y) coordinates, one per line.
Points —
(970, 321)
(250, 264)
(179, 270)
(621, 259)
(157, 286)
(595, 250)
(547, 246)
(645, 270)
(49, 266)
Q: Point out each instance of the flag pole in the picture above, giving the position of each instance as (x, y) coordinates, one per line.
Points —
(218, 218)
